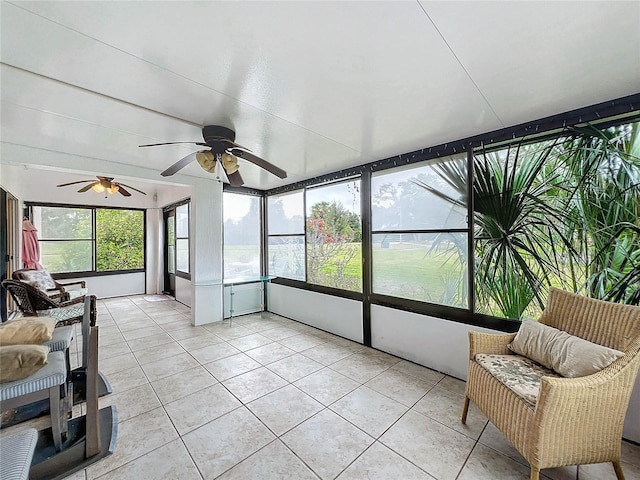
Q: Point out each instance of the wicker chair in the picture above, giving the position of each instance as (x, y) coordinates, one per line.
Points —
(57, 290)
(575, 420)
(33, 302)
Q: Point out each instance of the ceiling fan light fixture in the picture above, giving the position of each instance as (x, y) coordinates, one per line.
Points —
(206, 160)
(230, 163)
(98, 188)
(113, 189)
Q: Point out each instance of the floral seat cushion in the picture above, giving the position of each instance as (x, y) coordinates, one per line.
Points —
(520, 374)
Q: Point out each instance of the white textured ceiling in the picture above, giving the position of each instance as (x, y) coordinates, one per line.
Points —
(313, 87)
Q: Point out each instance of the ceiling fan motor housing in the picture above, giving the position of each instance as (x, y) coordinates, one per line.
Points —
(213, 134)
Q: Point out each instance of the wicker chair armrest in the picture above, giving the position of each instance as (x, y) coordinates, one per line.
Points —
(81, 283)
(490, 343)
(71, 302)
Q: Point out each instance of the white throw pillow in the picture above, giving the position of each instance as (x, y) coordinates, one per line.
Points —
(568, 355)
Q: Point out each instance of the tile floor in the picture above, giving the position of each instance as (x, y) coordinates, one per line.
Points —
(271, 398)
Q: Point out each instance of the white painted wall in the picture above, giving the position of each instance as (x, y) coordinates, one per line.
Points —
(332, 314)
(183, 291)
(114, 285)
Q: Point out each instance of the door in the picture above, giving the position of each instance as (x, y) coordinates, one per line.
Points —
(170, 252)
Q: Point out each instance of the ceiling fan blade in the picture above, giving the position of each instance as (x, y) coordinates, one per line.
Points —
(235, 180)
(173, 143)
(86, 188)
(123, 191)
(245, 154)
(106, 179)
(128, 186)
(73, 183)
(179, 165)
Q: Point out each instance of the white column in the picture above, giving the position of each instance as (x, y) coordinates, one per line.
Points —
(206, 252)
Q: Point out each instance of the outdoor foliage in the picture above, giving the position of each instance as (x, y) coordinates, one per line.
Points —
(333, 241)
(119, 239)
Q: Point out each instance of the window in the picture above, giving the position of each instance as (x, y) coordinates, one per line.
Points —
(285, 225)
(119, 239)
(420, 232)
(85, 239)
(334, 236)
(242, 237)
(182, 238)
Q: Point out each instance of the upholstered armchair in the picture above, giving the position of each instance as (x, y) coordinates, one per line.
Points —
(561, 421)
(43, 280)
(33, 302)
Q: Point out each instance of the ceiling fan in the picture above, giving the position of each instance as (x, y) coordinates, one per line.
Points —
(222, 157)
(104, 184)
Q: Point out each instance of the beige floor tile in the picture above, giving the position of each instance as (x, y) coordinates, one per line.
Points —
(326, 385)
(284, 409)
(446, 407)
(275, 461)
(294, 367)
(112, 350)
(136, 437)
(117, 363)
(146, 331)
(378, 462)
(359, 367)
(453, 385)
(169, 366)
(248, 342)
(419, 371)
(327, 443)
(369, 410)
(403, 388)
(226, 331)
(278, 333)
(182, 332)
(171, 461)
(149, 342)
(196, 409)
(204, 339)
(182, 384)
(327, 353)
(492, 437)
(214, 352)
(302, 342)
(254, 384)
(232, 366)
(170, 317)
(631, 453)
(270, 353)
(438, 450)
(604, 471)
(127, 379)
(485, 463)
(222, 443)
(81, 475)
(159, 352)
(132, 402)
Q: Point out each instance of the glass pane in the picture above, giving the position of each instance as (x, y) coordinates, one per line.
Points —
(285, 213)
(69, 256)
(171, 230)
(286, 257)
(119, 239)
(182, 221)
(171, 259)
(432, 196)
(242, 239)
(334, 236)
(182, 255)
(426, 267)
(56, 223)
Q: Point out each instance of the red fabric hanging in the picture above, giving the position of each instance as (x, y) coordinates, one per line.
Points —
(30, 246)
